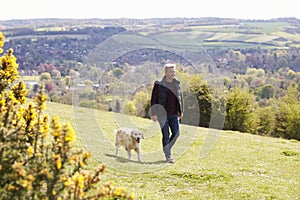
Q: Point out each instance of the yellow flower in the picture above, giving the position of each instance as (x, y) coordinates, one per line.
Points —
(72, 159)
(132, 196)
(78, 179)
(117, 192)
(55, 125)
(70, 135)
(56, 133)
(66, 183)
(11, 187)
(58, 164)
(2, 102)
(30, 151)
(20, 92)
(25, 184)
(86, 155)
(81, 181)
(19, 168)
(75, 176)
(30, 177)
(40, 99)
(81, 163)
(45, 126)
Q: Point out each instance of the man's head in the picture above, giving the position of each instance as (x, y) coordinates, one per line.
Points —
(170, 71)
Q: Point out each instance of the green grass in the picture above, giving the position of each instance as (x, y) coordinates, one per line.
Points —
(238, 166)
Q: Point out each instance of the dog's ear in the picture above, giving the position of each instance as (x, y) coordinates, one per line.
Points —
(115, 131)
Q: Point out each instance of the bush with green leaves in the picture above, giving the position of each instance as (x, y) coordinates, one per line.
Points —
(287, 115)
(239, 105)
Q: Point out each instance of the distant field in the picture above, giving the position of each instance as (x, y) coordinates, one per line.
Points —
(216, 39)
(261, 27)
(251, 36)
(30, 78)
(239, 165)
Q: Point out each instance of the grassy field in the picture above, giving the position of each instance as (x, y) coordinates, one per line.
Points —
(233, 166)
(246, 35)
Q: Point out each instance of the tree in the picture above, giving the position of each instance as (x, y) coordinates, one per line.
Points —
(118, 106)
(129, 108)
(45, 76)
(117, 72)
(260, 73)
(55, 74)
(199, 89)
(265, 92)
(288, 115)
(38, 159)
(238, 108)
(49, 86)
(262, 121)
(68, 82)
(142, 103)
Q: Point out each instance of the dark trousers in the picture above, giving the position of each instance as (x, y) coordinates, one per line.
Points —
(167, 123)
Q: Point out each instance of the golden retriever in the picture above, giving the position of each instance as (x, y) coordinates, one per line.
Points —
(130, 139)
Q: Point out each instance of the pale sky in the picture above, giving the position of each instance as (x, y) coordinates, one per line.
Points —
(254, 9)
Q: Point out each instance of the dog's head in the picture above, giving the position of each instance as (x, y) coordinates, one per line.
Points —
(137, 135)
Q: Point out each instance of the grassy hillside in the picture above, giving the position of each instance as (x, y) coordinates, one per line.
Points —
(239, 165)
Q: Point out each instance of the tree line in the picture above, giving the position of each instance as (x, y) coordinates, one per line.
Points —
(257, 101)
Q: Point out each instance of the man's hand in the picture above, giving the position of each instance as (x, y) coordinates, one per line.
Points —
(154, 118)
(180, 116)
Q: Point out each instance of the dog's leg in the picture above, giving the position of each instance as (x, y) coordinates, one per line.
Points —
(139, 154)
(116, 142)
(117, 150)
(129, 154)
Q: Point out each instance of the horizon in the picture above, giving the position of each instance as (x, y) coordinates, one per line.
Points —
(58, 18)
(135, 9)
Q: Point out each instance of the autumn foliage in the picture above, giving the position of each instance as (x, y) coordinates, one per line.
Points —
(38, 159)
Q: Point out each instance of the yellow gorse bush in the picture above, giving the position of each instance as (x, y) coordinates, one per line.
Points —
(37, 156)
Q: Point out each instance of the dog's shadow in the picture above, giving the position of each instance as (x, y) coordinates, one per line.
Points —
(126, 160)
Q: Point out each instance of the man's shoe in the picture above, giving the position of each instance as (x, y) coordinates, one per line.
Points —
(170, 160)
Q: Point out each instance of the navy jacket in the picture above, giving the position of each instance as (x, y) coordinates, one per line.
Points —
(159, 96)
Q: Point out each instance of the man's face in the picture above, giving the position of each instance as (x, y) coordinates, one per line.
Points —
(170, 73)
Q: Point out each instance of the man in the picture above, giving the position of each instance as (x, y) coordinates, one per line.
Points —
(167, 108)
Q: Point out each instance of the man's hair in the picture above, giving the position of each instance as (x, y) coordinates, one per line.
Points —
(169, 65)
